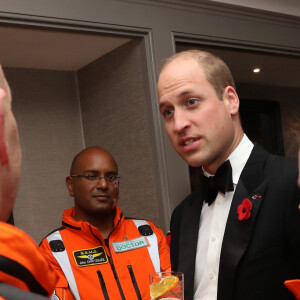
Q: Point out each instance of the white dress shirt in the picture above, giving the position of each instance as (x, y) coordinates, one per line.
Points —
(212, 226)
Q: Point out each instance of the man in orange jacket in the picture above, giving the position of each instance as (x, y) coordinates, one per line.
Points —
(98, 253)
(24, 272)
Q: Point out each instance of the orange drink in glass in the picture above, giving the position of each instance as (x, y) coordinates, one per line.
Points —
(166, 285)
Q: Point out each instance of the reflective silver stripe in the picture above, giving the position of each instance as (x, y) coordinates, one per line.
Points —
(153, 248)
(64, 262)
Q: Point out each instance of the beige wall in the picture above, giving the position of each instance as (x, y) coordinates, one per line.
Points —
(113, 94)
(47, 111)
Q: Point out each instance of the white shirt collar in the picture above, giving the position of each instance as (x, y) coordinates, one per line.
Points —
(239, 157)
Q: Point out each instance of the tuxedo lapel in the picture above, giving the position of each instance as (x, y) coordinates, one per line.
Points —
(189, 230)
(237, 234)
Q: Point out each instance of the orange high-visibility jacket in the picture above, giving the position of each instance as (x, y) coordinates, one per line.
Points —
(114, 269)
(294, 286)
(21, 263)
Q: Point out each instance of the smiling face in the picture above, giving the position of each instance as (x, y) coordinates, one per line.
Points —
(93, 198)
(203, 129)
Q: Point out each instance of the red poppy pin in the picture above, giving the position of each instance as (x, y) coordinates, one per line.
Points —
(244, 210)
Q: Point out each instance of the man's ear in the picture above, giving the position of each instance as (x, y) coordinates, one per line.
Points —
(69, 184)
(232, 100)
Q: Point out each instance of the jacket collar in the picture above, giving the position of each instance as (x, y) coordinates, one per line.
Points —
(69, 222)
(188, 234)
(252, 186)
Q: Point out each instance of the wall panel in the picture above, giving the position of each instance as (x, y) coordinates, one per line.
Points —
(47, 111)
(114, 114)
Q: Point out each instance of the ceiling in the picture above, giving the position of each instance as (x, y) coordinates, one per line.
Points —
(57, 50)
(54, 50)
(276, 70)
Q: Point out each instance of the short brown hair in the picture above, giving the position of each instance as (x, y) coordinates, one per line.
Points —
(215, 69)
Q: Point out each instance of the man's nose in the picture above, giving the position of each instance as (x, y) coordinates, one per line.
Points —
(102, 183)
(181, 121)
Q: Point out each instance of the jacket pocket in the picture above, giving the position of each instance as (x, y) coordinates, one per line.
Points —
(134, 282)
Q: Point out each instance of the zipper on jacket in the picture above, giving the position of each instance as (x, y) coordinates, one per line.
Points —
(103, 286)
(135, 285)
(112, 266)
(115, 275)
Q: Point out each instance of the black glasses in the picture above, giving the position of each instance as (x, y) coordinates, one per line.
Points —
(93, 177)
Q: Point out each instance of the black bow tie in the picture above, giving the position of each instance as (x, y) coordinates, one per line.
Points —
(222, 182)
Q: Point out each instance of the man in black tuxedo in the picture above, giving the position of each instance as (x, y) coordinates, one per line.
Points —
(238, 236)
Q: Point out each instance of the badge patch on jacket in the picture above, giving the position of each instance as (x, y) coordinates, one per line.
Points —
(89, 257)
(128, 245)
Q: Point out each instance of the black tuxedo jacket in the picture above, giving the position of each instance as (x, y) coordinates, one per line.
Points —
(257, 254)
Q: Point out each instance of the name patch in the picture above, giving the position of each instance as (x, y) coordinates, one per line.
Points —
(133, 244)
(89, 257)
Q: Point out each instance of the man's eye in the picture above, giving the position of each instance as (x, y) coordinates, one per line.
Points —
(91, 177)
(111, 178)
(191, 102)
(168, 112)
